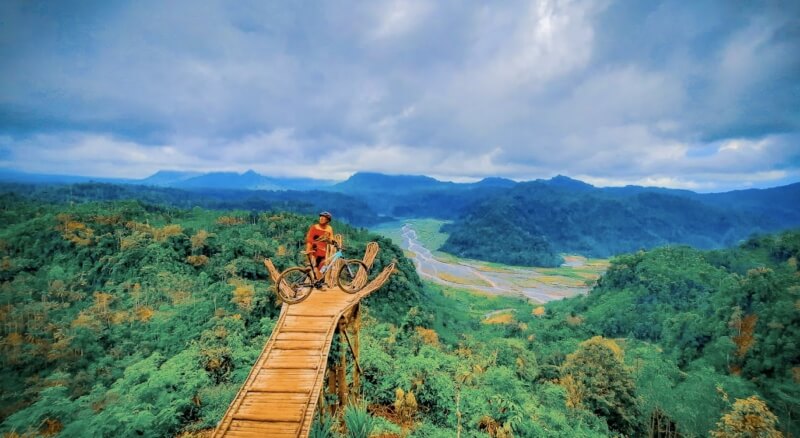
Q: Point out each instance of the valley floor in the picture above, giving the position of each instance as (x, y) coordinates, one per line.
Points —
(537, 284)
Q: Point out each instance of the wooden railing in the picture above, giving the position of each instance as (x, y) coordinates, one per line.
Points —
(281, 393)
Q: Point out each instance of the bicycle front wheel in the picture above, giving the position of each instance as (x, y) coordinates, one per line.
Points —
(294, 285)
(352, 276)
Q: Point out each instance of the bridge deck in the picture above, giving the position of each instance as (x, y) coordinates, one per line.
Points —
(280, 395)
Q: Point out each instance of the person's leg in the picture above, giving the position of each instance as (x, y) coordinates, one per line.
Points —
(315, 265)
(320, 264)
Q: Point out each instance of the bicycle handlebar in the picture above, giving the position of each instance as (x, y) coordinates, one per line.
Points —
(329, 241)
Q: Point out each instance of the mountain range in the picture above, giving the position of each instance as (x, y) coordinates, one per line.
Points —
(533, 223)
(495, 219)
(249, 180)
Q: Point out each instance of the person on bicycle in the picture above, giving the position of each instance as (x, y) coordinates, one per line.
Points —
(316, 241)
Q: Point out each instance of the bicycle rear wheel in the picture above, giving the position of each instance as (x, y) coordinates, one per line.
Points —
(348, 277)
(294, 285)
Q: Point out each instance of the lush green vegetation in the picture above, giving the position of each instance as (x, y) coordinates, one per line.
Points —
(531, 223)
(429, 231)
(130, 319)
(418, 196)
(672, 340)
(343, 207)
(122, 319)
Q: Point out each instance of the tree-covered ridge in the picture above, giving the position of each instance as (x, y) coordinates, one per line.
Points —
(736, 311)
(531, 223)
(125, 319)
(344, 207)
(672, 342)
(122, 319)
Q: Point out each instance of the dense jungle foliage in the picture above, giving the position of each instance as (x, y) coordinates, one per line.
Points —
(121, 319)
(126, 319)
(344, 207)
(672, 342)
(531, 223)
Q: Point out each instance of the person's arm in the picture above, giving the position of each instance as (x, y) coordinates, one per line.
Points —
(309, 238)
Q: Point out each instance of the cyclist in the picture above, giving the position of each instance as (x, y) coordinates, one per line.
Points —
(316, 247)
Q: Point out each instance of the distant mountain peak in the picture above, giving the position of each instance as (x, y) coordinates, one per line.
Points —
(168, 177)
(168, 172)
(383, 176)
(565, 181)
(373, 181)
(495, 181)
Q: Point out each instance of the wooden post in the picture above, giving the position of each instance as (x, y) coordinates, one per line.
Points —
(341, 369)
(332, 388)
(356, 343)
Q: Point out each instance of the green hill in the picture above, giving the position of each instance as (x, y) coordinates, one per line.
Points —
(344, 207)
(124, 318)
(531, 223)
(129, 319)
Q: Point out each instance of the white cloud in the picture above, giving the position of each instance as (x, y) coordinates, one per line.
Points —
(704, 182)
(94, 155)
(521, 89)
(399, 17)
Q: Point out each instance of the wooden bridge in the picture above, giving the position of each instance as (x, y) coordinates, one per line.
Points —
(284, 388)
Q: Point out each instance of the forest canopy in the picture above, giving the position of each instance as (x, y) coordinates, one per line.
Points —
(114, 308)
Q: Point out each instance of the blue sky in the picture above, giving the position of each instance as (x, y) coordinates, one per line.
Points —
(703, 95)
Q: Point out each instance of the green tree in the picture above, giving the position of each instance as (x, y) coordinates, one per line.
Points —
(600, 382)
(748, 418)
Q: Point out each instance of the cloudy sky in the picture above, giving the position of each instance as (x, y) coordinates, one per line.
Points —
(702, 94)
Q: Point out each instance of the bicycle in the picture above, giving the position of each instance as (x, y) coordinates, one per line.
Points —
(301, 280)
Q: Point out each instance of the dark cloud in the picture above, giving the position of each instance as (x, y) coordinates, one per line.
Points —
(667, 92)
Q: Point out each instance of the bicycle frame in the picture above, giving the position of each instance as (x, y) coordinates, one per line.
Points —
(328, 265)
(337, 255)
(300, 287)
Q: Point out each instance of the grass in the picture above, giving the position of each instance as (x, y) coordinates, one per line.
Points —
(500, 318)
(557, 280)
(460, 311)
(474, 281)
(390, 230)
(494, 267)
(428, 231)
(560, 281)
(447, 258)
(574, 276)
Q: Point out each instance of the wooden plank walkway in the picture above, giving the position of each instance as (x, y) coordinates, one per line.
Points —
(280, 395)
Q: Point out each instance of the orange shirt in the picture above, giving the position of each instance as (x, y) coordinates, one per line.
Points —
(315, 232)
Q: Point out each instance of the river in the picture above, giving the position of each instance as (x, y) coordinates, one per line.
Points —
(491, 279)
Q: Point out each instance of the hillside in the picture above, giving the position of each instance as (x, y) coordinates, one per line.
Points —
(378, 182)
(531, 223)
(344, 207)
(734, 311)
(117, 308)
(249, 180)
(419, 196)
